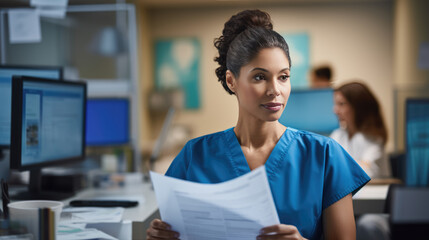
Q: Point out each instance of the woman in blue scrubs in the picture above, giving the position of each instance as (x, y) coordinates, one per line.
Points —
(312, 178)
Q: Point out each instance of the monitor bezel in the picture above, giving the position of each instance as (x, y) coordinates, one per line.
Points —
(30, 67)
(101, 145)
(16, 128)
(36, 67)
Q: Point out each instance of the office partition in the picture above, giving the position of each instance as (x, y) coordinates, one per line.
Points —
(95, 43)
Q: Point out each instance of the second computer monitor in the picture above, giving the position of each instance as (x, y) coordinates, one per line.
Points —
(6, 73)
(417, 142)
(311, 110)
(108, 121)
(48, 128)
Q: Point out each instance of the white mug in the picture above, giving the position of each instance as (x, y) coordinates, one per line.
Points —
(27, 213)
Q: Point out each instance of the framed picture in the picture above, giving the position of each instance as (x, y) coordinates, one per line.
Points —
(177, 66)
(300, 57)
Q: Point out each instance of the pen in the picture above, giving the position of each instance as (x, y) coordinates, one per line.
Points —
(5, 198)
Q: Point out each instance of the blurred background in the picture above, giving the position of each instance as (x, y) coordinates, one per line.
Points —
(159, 55)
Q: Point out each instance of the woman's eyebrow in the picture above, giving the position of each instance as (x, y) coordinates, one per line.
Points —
(284, 69)
(259, 69)
(265, 70)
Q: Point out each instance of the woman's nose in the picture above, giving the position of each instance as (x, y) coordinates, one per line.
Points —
(335, 109)
(273, 89)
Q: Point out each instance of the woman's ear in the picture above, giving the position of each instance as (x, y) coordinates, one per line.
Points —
(230, 80)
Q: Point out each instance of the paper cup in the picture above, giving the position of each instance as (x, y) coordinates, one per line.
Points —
(27, 213)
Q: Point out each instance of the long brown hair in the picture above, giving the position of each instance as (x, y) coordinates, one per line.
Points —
(368, 116)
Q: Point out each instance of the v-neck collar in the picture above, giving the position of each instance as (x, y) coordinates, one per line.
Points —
(275, 158)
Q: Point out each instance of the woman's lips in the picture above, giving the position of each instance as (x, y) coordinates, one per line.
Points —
(272, 106)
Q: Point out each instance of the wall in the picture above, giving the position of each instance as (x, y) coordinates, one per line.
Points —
(356, 38)
(411, 30)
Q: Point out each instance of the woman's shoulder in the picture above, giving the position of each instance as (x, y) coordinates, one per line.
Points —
(309, 137)
(364, 139)
(211, 137)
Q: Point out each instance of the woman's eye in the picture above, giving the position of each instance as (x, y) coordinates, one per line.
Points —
(284, 77)
(259, 77)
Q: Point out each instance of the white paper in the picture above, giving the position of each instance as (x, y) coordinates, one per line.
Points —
(52, 3)
(52, 12)
(67, 233)
(24, 26)
(91, 215)
(236, 209)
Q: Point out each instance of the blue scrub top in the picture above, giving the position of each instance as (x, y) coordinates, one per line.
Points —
(306, 172)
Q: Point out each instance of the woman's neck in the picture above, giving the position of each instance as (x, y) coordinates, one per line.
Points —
(351, 131)
(256, 134)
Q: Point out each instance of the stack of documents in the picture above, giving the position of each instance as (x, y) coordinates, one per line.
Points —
(74, 220)
(236, 209)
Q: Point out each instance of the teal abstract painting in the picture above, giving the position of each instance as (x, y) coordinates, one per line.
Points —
(177, 66)
(300, 57)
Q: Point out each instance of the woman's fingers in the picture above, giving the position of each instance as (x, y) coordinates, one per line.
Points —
(279, 231)
(161, 230)
(157, 223)
(279, 228)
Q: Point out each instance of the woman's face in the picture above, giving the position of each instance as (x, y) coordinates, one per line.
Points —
(263, 86)
(343, 110)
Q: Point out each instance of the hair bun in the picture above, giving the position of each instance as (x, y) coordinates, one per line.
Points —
(246, 19)
(232, 28)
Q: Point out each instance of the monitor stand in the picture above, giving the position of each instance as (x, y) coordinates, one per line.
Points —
(35, 192)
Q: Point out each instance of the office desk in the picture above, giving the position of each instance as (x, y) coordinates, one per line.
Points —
(139, 216)
(135, 220)
(370, 199)
(142, 192)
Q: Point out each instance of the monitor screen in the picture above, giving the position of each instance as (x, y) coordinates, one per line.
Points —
(48, 128)
(311, 110)
(47, 122)
(6, 73)
(417, 142)
(107, 121)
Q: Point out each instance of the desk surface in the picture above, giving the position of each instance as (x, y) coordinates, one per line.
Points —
(370, 199)
(372, 192)
(142, 192)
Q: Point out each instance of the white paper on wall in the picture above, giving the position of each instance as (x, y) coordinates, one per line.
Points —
(24, 26)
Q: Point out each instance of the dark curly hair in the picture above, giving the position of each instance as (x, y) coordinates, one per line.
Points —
(243, 36)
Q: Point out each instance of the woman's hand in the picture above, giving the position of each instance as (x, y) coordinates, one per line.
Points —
(280, 231)
(160, 230)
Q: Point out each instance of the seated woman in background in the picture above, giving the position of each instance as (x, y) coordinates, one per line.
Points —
(362, 133)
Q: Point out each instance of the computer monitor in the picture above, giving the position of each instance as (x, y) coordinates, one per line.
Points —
(311, 110)
(107, 121)
(48, 128)
(409, 212)
(6, 73)
(417, 142)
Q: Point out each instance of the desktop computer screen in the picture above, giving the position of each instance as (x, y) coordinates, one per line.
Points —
(417, 142)
(6, 73)
(48, 125)
(107, 121)
(311, 110)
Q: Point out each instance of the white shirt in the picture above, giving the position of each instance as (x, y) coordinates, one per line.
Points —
(363, 149)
